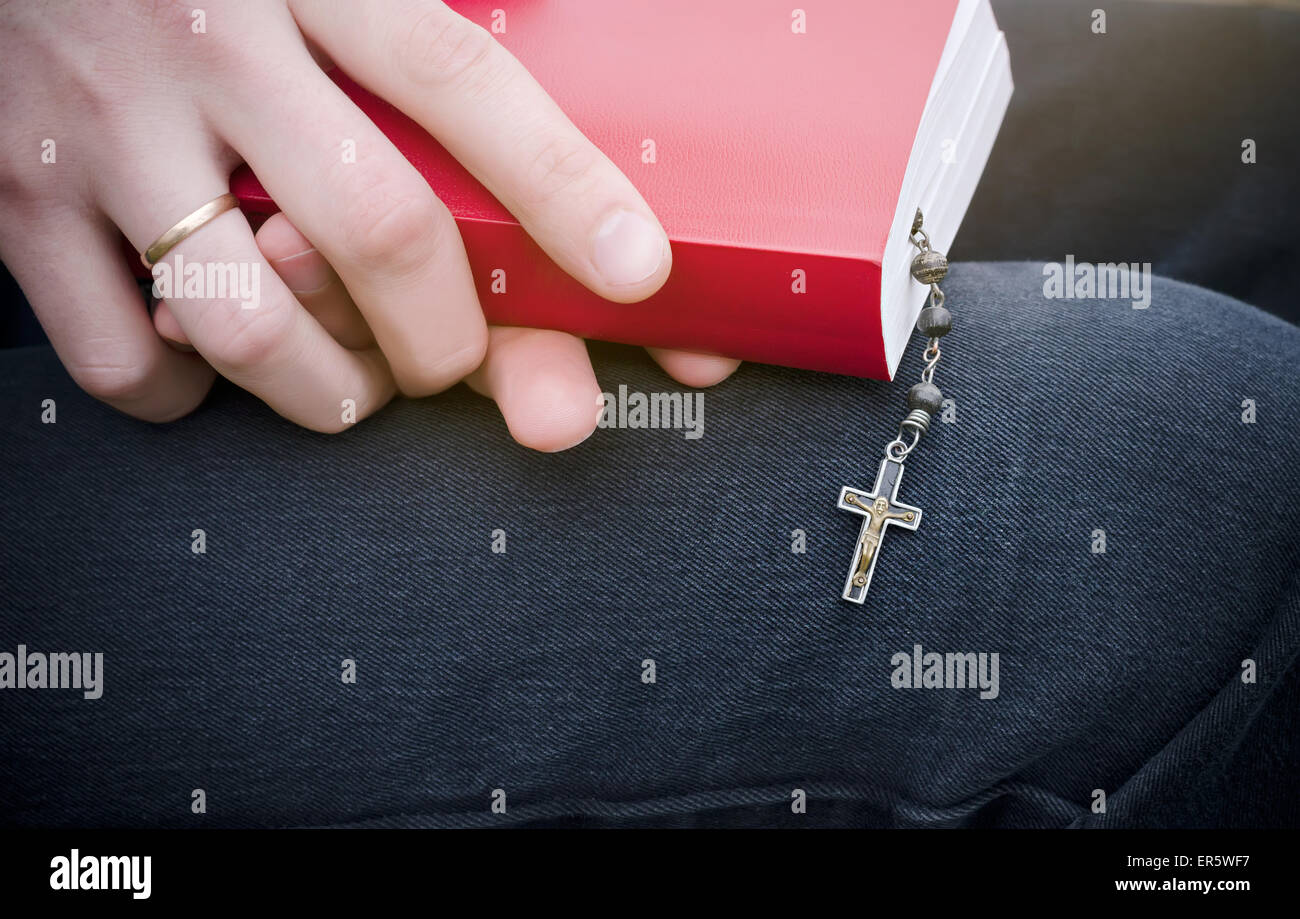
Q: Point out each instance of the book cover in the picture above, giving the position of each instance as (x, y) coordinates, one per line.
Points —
(771, 141)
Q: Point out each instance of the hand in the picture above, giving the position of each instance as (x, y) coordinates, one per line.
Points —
(364, 284)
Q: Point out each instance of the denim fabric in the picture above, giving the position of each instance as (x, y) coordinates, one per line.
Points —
(523, 671)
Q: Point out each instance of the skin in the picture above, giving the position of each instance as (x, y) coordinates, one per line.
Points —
(365, 287)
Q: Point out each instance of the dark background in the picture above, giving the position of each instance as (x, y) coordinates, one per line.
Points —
(1127, 146)
(1122, 147)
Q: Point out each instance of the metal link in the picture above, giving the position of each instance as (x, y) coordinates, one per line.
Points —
(931, 355)
(917, 422)
(897, 449)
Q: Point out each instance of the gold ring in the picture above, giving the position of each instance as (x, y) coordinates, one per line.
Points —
(187, 226)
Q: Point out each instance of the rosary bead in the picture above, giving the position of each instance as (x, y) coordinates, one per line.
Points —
(929, 267)
(934, 322)
(925, 396)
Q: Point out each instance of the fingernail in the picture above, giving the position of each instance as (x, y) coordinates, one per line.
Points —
(629, 248)
(305, 272)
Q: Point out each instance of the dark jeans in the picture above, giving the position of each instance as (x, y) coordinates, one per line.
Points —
(1120, 671)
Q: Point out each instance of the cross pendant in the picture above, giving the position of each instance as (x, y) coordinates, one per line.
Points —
(881, 510)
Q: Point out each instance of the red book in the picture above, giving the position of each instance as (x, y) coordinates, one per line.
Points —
(791, 148)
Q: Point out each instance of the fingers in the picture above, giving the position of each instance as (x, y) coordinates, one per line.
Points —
(370, 214)
(168, 326)
(72, 272)
(544, 385)
(251, 329)
(546, 389)
(453, 78)
(313, 281)
(694, 369)
(309, 278)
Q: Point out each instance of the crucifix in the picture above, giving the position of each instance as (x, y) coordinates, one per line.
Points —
(881, 510)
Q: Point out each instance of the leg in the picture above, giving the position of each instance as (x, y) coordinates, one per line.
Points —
(1120, 670)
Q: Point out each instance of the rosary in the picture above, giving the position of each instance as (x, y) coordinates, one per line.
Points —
(880, 506)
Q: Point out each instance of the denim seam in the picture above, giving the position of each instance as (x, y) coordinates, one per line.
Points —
(722, 799)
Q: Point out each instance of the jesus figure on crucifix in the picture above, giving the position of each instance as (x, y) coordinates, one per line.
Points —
(876, 514)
